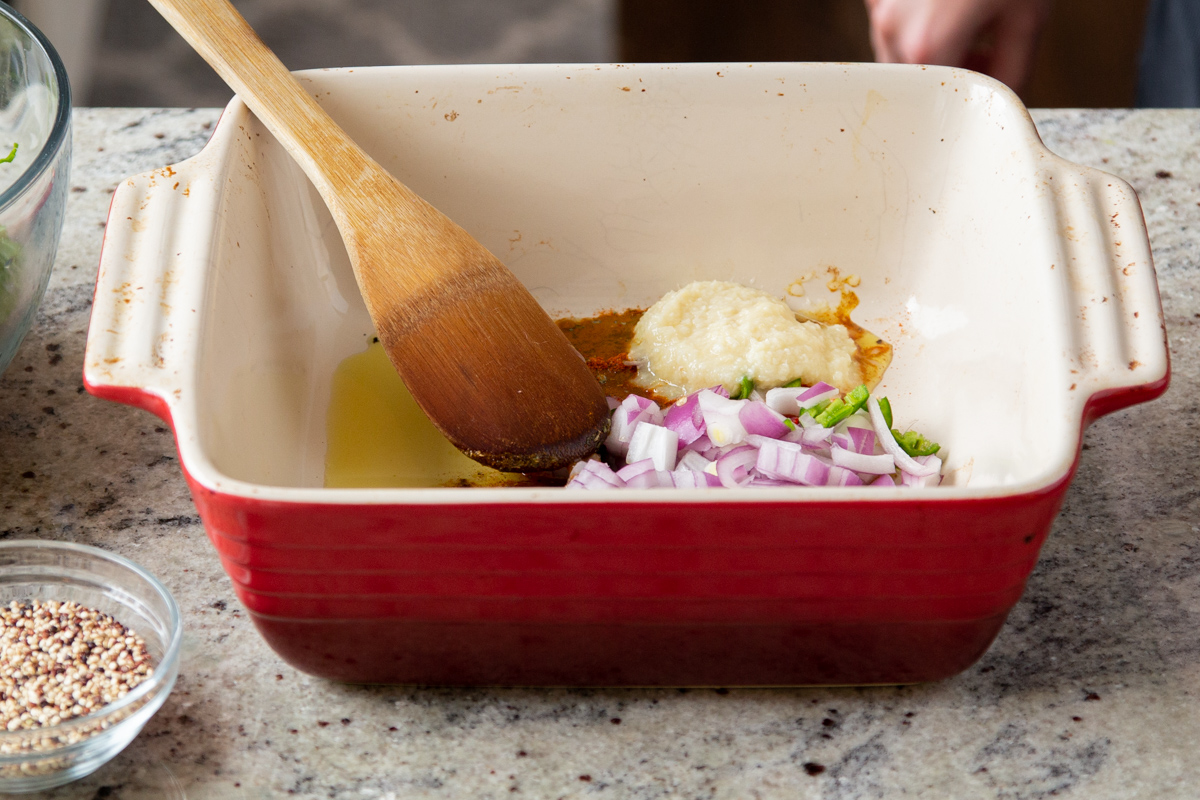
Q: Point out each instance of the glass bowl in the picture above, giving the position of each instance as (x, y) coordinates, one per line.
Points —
(42, 758)
(35, 113)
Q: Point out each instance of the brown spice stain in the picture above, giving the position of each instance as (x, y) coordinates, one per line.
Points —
(873, 355)
(604, 341)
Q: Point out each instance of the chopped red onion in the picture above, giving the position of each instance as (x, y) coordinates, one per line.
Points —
(594, 475)
(789, 462)
(783, 399)
(884, 435)
(758, 419)
(872, 465)
(691, 460)
(925, 480)
(733, 468)
(840, 476)
(795, 437)
(686, 420)
(651, 479)
(688, 479)
(862, 440)
(758, 481)
(635, 468)
(816, 435)
(703, 446)
(658, 444)
(632, 411)
(708, 440)
(815, 394)
(619, 433)
(642, 409)
(721, 421)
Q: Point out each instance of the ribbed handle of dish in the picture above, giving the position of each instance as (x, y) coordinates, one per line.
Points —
(145, 314)
(1118, 348)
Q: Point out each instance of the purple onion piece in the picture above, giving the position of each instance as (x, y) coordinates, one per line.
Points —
(862, 440)
(733, 468)
(875, 465)
(758, 419)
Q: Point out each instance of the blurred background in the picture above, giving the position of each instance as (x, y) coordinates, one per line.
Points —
(121, 53)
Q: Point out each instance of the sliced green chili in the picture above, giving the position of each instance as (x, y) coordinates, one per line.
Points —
(743, 389)
(886, 407)
(840, 408)
(915, 444)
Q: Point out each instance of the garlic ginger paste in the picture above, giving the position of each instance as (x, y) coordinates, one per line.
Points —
(716, 332)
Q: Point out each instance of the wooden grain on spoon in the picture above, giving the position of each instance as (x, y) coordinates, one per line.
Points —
(478, 353)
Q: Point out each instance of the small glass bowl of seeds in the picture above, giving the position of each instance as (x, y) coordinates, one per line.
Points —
(89, 650)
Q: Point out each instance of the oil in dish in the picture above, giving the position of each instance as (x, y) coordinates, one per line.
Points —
(378, 437)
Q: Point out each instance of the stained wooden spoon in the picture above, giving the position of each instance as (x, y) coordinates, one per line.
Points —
(481, 357)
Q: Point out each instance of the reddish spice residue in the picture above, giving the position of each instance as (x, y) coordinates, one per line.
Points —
(604, 341)
(612, 363)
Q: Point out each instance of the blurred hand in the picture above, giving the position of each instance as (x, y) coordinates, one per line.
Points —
(997, 37)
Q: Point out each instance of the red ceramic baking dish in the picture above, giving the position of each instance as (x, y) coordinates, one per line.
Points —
(1017, 290)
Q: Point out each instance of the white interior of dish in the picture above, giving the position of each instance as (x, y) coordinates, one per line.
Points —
(606, 187)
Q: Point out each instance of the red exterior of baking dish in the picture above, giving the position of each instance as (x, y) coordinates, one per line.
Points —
(632, 594)
(437, 586)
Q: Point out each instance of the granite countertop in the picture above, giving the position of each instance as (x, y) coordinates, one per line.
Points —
(1089, 691)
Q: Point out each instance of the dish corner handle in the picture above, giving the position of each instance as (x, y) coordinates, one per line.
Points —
(144, 312)
(1120, 354)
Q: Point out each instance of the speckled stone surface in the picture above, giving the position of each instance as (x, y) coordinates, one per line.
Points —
(1090, 691)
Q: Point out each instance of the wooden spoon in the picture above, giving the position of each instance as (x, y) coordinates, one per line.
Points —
(478, 353)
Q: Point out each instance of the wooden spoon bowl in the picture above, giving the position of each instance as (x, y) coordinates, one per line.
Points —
(481, 357)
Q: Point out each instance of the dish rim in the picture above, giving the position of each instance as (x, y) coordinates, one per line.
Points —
(202, 472)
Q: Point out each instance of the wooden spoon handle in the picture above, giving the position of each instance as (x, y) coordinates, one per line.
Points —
(357, 190)
(478, 353)
(226, 41)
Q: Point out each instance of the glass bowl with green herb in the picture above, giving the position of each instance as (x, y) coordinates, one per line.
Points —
(35, 164)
